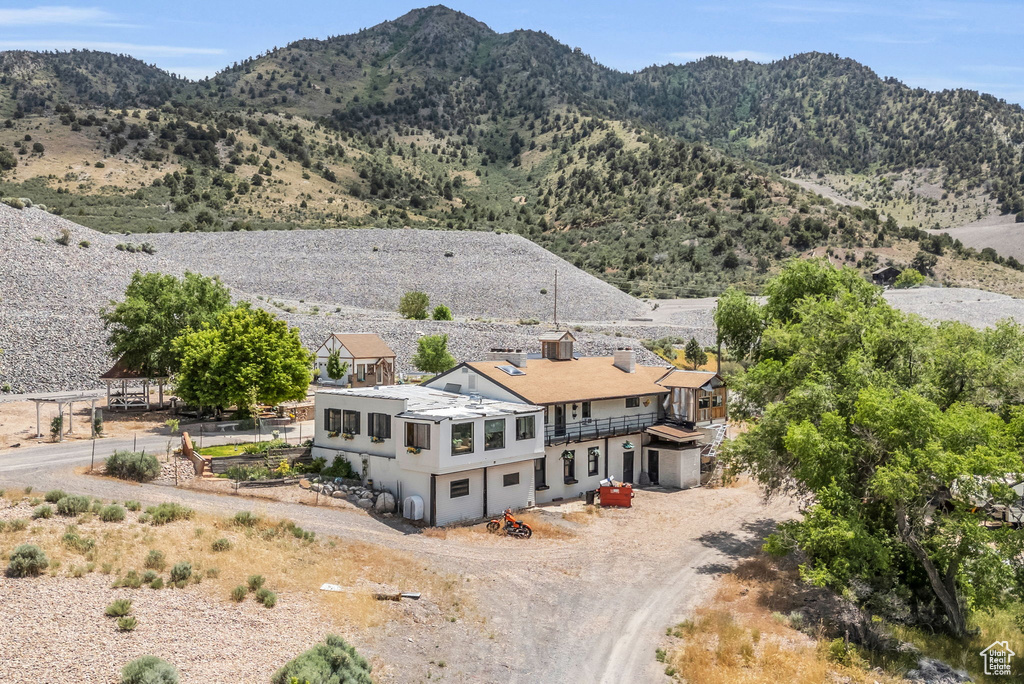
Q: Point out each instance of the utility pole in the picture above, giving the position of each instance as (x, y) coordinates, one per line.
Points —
(556, 299)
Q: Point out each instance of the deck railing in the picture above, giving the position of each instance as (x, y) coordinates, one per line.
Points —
(597, 428)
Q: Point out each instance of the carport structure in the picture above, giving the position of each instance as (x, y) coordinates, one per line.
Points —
(61, 401)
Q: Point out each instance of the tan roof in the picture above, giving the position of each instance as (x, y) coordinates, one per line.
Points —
(121, 371)
(687, 379)
(365, 345)
(547, 381)
(673, 433)
(556, 335)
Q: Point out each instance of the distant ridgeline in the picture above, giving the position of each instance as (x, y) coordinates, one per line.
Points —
(661, 181)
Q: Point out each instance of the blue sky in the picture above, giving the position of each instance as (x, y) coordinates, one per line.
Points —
(937, 44)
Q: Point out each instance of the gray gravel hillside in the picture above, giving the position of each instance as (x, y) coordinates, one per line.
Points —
(488, 275)
(50, 295)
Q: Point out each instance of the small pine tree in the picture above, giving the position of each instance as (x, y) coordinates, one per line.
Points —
(695, 354)
(336, 368)
(442, 313)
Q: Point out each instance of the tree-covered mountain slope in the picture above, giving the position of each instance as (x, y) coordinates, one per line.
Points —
(663, 182)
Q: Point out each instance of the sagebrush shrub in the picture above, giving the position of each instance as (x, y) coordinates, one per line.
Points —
(168, 513)
(332, 660)
(155, 560)
(27, 560)
(77, 543)
(149, 576)
(255, 582)
(54, 495)
(112, 513)
(42, 512)
(118, 608)
(132, 465)
(246, 519)
(18, 524)
(130, 580)
(239, 593)
(73, 505)
(133, 505)
(181, 572)
(158, 583)
(221, 545)
(149, 670)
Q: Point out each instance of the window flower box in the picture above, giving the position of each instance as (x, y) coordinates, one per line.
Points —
(377, 440)
(333, 433)
(348, 435)
(414, 450)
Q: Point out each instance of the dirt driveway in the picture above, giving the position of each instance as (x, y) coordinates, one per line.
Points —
(589, 609)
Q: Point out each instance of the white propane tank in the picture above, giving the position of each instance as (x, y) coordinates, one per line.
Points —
(412, 508)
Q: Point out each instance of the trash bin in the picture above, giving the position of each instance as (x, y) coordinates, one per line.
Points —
(590, 496)
(617, 496)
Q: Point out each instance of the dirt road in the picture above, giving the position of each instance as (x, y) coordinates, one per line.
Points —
(589, 609)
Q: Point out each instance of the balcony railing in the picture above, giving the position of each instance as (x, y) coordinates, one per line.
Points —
(597, 428)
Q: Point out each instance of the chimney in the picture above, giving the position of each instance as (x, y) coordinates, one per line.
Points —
(625, 359)
(516, 357)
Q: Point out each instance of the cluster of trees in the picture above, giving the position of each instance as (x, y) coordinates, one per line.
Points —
(416, 306)
(220, 355)
(897, 434)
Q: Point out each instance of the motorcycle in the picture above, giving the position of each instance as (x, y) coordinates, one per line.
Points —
(513, 527)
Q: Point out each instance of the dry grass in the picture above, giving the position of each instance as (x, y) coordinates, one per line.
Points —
(290, 565)
(543, 529)
(583, 517)
(736, 639)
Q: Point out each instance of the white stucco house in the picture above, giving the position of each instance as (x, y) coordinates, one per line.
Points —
(370, 360)
(518, 429)
(463, 457)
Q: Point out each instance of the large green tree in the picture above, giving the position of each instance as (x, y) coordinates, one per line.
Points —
(897, 435)
(247, 357)
(156, 309)
(432, 354)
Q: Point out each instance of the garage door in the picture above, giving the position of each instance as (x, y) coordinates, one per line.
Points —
(460, 496)
(509, 486)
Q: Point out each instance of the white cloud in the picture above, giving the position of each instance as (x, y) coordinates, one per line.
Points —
(127, 48)
(56, 14)
(738, 55)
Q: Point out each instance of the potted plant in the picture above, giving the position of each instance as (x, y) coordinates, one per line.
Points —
(348, 435)
(413, 450)
(377, 440)
(333, 433)
(568, 455)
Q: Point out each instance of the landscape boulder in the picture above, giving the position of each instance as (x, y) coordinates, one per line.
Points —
(931, 671)
(365, 503)
(385, 502)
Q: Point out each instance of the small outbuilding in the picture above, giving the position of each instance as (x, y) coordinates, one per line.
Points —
(886, 275)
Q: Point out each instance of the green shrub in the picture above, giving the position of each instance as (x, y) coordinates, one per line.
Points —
(112, 513)
(414, 305)
(246, 519)
(127, 624)
(118, 608)
(43, 511)
(155, 560)
(221, 545)
(158, 583)
(18, 524)
(149, 670)
(77, 543)
(261, 447)
(269, 599)
(133, 505)
(96, 506)
(212, 573)
(27, 560)
(168, 512)
(441, 313)
(137, 466)
(130, 580)
(54, 495)
(238, 593)
(255, 582)
(73, 505)
(181, 572)
(339, 468)
(149, 576)
(332, 660)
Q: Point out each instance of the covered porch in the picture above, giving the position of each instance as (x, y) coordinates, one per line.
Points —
(129, 389)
